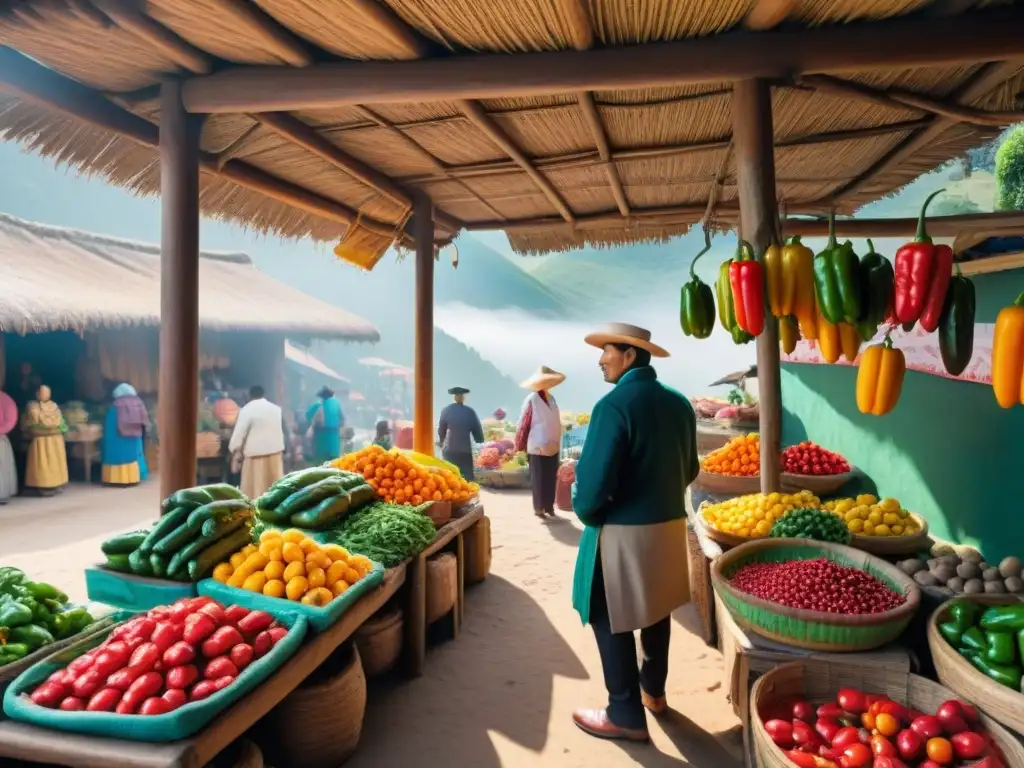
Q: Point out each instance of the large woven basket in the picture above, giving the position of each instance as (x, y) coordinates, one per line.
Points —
(889, 546)
(818, 682)
(701, 593)
(814, 630)
(959, 675)
(477, 552)
(442, 586)
(734, 485)
(727, 540)
(319, 723)
(379, 641)
(819, 485)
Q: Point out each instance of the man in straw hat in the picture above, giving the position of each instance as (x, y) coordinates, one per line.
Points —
(456, 428)
(639, 456)
(540, 435)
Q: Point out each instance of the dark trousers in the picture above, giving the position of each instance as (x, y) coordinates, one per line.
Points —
(622, 676)
(464, 461)
(544, 482)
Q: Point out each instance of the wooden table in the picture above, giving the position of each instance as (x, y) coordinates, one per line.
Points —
(34, 744)
(86, 450)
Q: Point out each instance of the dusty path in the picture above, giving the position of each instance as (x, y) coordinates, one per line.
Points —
(499, 696)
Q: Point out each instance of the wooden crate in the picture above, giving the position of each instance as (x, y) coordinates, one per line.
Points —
(701, 593)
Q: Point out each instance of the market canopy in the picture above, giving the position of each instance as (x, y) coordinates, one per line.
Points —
(562, 122)
(65, 279)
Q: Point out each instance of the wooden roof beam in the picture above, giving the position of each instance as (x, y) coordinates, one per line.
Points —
(938, 226)
(277, 39)
(477, 115)
(181, 52)
(900, 99)
(394, 28)
(768, 14)
(593, 118)
(983, 35)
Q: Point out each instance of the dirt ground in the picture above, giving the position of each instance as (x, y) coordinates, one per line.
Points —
(501, 694)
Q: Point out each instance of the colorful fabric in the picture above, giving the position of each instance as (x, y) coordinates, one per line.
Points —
(327, 419)
(118, 450)
(125, 390)
(8, 470)
(122, 474)
(132, 416)
(47, 463)
(543, 425)
(260, 472)
(8, 413)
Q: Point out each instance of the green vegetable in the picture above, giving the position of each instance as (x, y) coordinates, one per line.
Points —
(360, 496)
(1020, 646)
(223, 492)
(1008, 675)
(175, 540)
(876, 285)
(123, 543)
(324, 513)
(956, 325)
(216, 510)
(164, 526)
(1001, 647)
(973, 640)
(158, 563)
(310, 496)
(837, 280)
(71, 623)
(964, 614)
(815, 524)
(386, 533)
(951, 634)
(1003, 618)
(305, 477)
(186, 496)
(42, 591)
(207, 560)
(32, 635)
(14, 614)
(13, 652)
(269, 500)
(178, 567)
(139, 563)
(119, 563)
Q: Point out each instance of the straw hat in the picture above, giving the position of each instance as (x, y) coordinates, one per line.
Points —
(623, 333)
(544, 378)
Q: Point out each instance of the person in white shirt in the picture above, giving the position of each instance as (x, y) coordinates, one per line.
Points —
(540, 434)
(259, 438)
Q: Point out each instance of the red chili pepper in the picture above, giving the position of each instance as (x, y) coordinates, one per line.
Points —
(746, 278)
(923, 271)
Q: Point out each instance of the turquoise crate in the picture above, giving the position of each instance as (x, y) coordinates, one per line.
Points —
(179, 724)
(133, 593)
(319, 619)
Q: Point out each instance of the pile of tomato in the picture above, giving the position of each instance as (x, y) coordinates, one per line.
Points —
(863, 730)
(808, 458)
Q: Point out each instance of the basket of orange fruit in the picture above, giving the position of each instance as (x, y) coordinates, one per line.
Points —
(735, 468)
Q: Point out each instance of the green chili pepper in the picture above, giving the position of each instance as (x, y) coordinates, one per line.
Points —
(15, 614)
(951, 634)
(1003, 618)
(964, 614)
(42, 591)
(697, 303)
(973, 640)
(876, 286)
(32, 635)
(1004, 674)
(956, 325)
(13, 652)
(837, 279)
(1002, 647)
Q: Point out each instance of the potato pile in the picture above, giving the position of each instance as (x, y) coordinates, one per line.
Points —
(964, 571)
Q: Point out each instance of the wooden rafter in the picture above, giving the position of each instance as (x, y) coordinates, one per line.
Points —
(236, 145)
(581, 31)
(479, 117)
(181, 52)
(938, 226)
(768, 14)
(901, 99)
(593, 118)
(85, 11)
(279, 40)
(981, 83)
(983, 35)
(387, 21)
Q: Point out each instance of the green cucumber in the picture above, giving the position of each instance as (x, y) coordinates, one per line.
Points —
(159, 565)
(119, 563)
(223, 492)
(360, 496)
(310, 496)
(196, 496)
(163, 526)
(123, 543)
(305, 477)
(179, 563)
(207, 560)
(275, 496)
(139, 563)
(175, 540)
(216, 510)
(323, 514)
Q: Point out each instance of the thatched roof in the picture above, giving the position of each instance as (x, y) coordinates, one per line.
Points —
(63, 279)
(307, 360)
(555, 170)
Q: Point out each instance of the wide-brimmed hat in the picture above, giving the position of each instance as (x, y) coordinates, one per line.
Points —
(624, 333)
(325, 392)
(544, 378)
(458, 391)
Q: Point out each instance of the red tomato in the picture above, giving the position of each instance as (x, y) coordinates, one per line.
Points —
(856, 756)
(882, 747)
(851, 700)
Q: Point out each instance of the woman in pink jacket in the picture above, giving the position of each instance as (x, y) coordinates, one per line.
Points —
(8, 474)
(540, 435)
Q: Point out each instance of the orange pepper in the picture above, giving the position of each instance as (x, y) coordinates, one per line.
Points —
(828, 339)
(880, 378)
(1008, 355)
(789, 334)
(808, 319)
(850, 341)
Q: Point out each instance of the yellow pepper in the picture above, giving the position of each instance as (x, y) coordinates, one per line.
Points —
(850, 341)
(789, 335)
(809, 323)
(1008, 355)
(789, 273)
(779, 288)
(880, 378)
(828, 339)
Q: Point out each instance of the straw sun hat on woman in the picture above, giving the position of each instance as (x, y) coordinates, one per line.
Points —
(544, 379)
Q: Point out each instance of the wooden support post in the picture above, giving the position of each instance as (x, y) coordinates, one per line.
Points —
(755, 174)
(179, 290)
(423, 406)
(415, 621)
(460, 599)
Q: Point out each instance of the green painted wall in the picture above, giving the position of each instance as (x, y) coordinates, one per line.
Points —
(947, 450)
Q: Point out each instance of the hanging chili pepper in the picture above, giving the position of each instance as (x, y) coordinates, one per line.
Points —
(780, 290)
(789, 334)
(746, 276)
(876, 279)
(798, 265)
(836, 283)
(956, 326)
(1008, 355)
(880, 378)
(849, 341)
(828, 339)
(922, 276)
(697, 303)
(809, 323)
(726, 310)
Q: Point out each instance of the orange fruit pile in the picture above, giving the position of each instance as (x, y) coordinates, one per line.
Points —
(399, 480)
(740, 457)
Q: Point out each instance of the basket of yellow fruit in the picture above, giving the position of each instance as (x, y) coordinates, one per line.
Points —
(738, 520)
(289, 572)
(399, 478)
(881, 527)
(733, 468)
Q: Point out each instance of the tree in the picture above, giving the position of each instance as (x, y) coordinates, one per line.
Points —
(954, 206)
(1010, 171)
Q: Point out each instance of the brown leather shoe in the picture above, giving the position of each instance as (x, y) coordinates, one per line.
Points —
(596, 723)
(656, 705)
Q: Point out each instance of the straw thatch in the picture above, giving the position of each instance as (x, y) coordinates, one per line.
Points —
(435, 147)
(63, 279)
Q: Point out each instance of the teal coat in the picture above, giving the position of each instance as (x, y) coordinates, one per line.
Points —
(639, 456)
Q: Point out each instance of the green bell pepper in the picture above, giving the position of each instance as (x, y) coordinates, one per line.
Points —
(956, 325)
(964, 614)
(1003, 618)
(1004, 674)
(726, 308)
(696, 302)
(77, 619)
(32, 635)
(1001, 647)
(1020, 645)
(876, 286)
(13, 652)
(837, 279)
(14, 614)
(43, 591)
(973, 640)
(950, 633)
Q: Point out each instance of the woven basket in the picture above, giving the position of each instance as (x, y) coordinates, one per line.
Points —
(379, 641)
(814, 630)
(960, 676)
(712, 482)
(818, 682)
(894, 545)
(727, 540)
(207, 445)
(701, 593)
(442, 586)
(319, 723)
(477, 552)
(819, 485)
